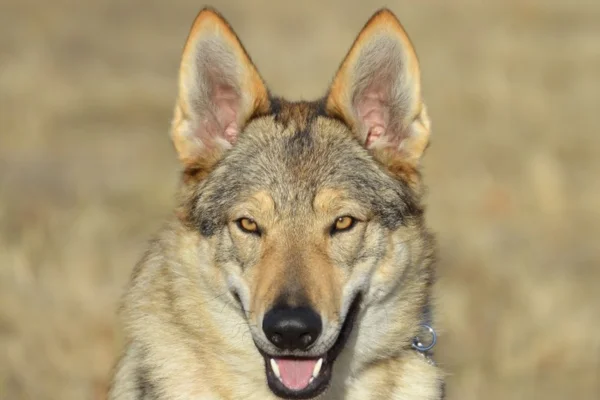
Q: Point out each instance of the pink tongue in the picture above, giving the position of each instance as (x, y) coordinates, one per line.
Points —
(295, 374)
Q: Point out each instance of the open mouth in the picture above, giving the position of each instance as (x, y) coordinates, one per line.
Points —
(305, 378)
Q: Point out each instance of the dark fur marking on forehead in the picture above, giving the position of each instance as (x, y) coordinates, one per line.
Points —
(299, 142)
(299, 113)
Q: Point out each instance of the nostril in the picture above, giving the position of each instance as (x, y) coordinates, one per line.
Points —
(306, 339)
(276, 339)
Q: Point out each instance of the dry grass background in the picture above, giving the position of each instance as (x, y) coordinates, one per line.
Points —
(87, 173)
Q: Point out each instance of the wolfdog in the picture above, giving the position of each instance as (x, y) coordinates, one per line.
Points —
(297, 263)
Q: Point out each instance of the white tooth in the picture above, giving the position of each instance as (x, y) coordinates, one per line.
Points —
(317, 368)
(310, 380)
(275, 368)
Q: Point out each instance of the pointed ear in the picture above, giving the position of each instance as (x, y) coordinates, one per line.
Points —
(377, 92)
(219, 91)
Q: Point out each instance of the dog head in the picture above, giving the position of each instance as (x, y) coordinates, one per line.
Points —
(312, 208)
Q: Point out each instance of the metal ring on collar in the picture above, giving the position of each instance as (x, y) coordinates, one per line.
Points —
(417, 345)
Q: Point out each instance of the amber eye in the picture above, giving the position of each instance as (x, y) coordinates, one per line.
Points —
(343, 224)
(248, 225)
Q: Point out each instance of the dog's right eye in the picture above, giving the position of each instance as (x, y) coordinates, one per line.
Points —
(248, 225)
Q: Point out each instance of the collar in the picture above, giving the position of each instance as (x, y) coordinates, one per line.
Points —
(427, 338)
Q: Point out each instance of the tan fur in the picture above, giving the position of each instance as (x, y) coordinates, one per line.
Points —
(194, 309)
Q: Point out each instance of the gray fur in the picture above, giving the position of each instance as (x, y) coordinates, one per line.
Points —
(293, 165)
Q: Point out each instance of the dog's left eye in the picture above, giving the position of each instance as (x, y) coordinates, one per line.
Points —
(342, 224)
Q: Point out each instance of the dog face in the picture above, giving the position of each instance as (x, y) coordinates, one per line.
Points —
(312, 207)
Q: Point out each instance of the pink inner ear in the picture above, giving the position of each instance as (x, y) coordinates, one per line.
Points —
(227, 104)
(373, 114)
(231, 132)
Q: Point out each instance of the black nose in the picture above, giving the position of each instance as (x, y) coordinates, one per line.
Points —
(292, 328)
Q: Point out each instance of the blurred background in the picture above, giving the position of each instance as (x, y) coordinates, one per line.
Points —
(87, 174)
